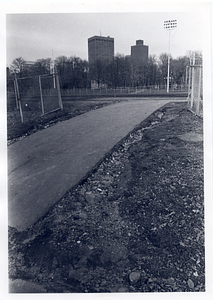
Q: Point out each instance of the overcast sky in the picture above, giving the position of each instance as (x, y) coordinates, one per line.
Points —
(34, 36)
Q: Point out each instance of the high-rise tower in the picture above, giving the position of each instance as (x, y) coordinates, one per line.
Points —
(139, 53)
(100, 47)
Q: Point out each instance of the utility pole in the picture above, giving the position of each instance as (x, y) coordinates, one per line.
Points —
(169, 25)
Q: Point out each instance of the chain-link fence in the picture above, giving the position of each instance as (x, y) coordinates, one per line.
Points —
(195, 85)
(34, 96)
(157, 89)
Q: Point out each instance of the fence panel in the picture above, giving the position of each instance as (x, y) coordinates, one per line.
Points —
(124, 90)
(50, 93)
(28, 93)
(34, 96)
(12, 101)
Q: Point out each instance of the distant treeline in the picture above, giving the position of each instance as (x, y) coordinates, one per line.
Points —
(119, 72)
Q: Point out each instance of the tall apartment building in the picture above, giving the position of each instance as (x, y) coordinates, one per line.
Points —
(100, 47)
(139, 53)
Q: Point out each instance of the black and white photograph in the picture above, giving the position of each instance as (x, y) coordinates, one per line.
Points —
(108, 113)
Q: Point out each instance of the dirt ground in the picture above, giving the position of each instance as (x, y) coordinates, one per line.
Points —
(135, 224)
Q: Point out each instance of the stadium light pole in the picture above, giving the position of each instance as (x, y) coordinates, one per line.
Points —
(169, 25)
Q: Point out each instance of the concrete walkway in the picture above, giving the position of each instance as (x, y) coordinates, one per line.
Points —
(44, 165)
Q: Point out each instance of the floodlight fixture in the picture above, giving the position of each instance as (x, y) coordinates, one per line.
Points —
(169, 25)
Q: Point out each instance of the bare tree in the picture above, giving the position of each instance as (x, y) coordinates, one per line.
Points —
(18, 66)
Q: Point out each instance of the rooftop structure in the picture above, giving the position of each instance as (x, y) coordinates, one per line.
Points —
(29, 63)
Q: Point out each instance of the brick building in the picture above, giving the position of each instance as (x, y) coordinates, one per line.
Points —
(100, 47)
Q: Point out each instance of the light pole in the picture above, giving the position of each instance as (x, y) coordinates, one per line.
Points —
(169, 25)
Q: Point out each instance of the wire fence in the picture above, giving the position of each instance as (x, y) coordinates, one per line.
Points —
(34, 96)
(123, 90)
(31, 97)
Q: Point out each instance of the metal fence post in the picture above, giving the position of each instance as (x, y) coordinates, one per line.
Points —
(42, 102)
(19, 101)
(59, 93)
(16, 94)
(193, 83)
(199, 90)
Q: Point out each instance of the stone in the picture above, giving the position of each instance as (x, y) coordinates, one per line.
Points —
(171, 281)
(190, 283)
(113, 252)
(90, 197)
(82, 215)
(160, 115)
(123, 289)
(134, 277)
(82, 191)
(191, 137)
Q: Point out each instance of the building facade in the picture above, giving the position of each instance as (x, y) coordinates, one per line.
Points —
(139, 53)
(100, 48)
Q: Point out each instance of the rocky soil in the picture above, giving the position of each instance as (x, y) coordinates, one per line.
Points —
(135, 224)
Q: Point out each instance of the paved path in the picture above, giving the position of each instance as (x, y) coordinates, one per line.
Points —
(44, 165)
